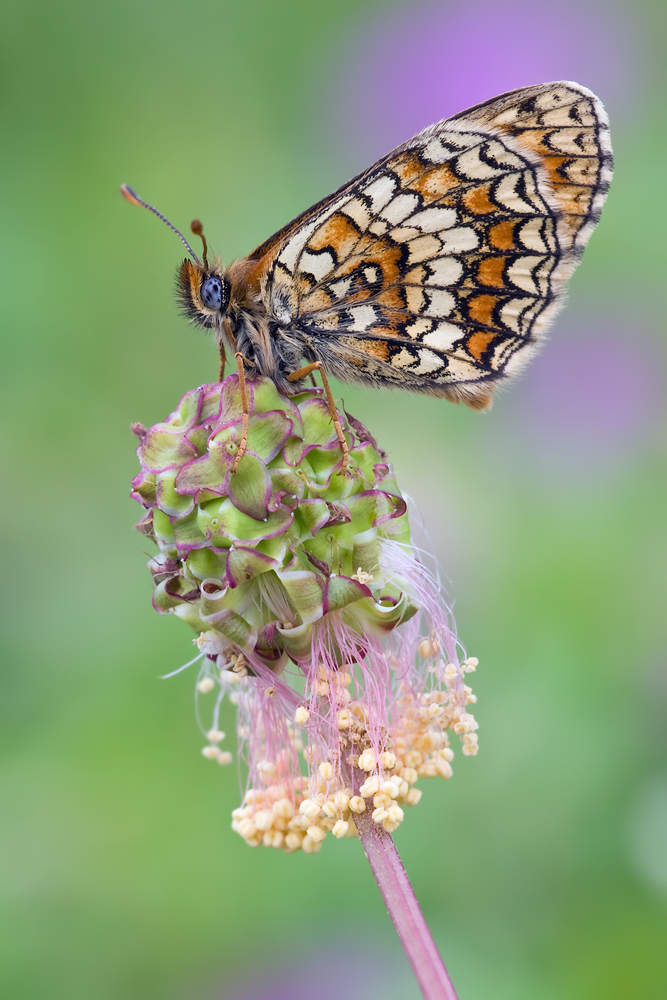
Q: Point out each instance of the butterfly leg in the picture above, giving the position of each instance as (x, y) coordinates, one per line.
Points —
(245, 403)
(317, 366)
(223, 362)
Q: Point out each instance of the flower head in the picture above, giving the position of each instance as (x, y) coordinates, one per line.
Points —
(312, 611)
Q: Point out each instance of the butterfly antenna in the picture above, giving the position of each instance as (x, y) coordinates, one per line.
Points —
(198, 230)
(134, 199)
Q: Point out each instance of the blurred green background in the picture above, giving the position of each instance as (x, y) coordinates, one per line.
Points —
(541, 866)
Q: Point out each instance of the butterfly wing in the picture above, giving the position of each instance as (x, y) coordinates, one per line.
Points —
(439, 268)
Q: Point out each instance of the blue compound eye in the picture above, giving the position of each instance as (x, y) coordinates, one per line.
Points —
(211, 292)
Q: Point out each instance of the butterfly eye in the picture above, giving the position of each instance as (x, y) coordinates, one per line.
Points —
(211, 292)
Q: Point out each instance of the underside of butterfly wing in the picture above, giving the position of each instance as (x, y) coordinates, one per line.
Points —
(440, 267)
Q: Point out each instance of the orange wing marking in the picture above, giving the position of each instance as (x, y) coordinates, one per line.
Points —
(490, 271)
(478, 343)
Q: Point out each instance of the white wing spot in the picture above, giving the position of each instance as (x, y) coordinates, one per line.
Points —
(459, 240)
(362, 318)
(380, 192)
(571, 140)
(400, 207)
(403, 234)
(502, 154)
(461, 140)
(428, 362)
(357, 211)
(423, 247)
(530, 235)
(403, 359)
(432, 220)
(417, 329)
(459, 370)
(553, 98)
(444, 271)
(469, 163)
(561, 116)
(443, 337)
(503, 349)
(341, 288)
(440, 302)
(512, 312)
(293, 248)
(506, 194)
(317, 264)
(435, 152)
(520, 273)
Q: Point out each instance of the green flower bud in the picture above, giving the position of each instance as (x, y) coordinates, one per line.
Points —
(260, 554)
(290, 557)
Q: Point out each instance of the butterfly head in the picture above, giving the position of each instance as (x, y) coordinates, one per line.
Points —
(202, 287)
(203, 291)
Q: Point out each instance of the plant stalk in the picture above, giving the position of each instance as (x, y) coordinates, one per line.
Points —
(404, 911)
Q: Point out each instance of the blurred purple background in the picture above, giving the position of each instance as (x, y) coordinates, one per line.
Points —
(592, 399)
(340, 967)
(593, 395)
(427, 61)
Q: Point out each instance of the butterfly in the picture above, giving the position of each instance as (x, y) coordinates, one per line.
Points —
(438, 269)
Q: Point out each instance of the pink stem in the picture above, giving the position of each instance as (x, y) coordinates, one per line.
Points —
(404, 911)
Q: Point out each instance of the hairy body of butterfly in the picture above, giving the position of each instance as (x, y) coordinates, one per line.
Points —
(437, 269)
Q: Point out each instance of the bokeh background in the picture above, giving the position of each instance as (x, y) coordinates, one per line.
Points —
(541, 866)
